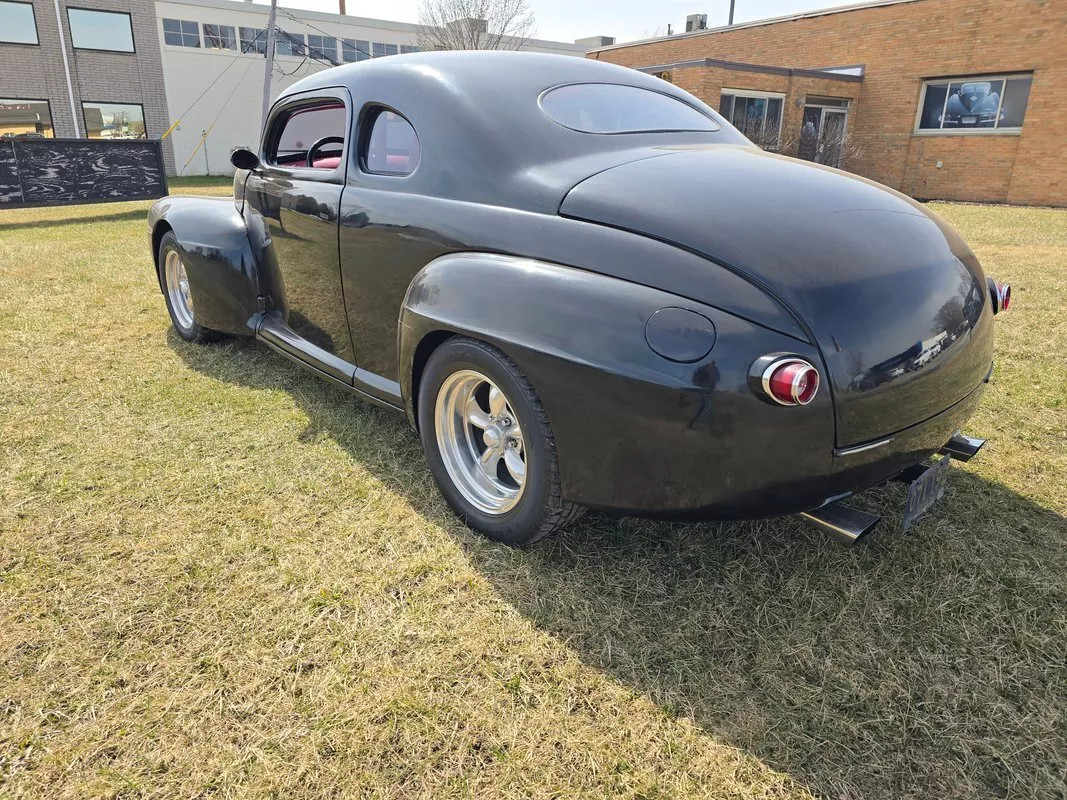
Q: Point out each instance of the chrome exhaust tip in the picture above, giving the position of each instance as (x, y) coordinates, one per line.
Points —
(847, 525)
(962, 448)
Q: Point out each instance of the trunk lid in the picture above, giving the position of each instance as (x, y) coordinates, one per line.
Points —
(894, 298)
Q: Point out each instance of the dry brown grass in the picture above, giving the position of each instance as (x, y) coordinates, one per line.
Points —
(221, 577)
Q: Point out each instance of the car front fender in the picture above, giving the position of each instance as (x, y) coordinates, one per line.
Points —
(218, 258)
(634, 430)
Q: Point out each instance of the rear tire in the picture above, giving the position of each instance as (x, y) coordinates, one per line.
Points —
(489, 444)
(177, 291)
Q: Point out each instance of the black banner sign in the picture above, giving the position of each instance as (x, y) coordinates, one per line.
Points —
(47, 172)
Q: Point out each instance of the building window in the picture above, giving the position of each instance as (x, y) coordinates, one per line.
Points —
(100, 30)
(289, 44)
(984, 103)
(181, 32)
(410, 48)
(758, 115)
(219, 37)
(323, 47)
(25, 119)
(114, 121)
(355, 50)
(253, 40)
(381, 49)
(17, 23)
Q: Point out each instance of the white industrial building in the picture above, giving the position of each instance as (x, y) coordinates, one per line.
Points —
(213, 62)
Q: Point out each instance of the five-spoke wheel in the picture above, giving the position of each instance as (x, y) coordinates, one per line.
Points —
(489, 443)
(480, 440)
(178, 292)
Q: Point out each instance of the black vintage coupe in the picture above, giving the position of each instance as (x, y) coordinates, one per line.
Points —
(586, 289)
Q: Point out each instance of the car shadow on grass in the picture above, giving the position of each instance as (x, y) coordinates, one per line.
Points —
(73, 219)
(926, 664)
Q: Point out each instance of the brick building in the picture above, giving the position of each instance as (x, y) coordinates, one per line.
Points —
(116, 76)
(940, 99)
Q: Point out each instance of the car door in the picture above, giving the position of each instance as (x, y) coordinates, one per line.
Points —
(382, 245)
(297, 194)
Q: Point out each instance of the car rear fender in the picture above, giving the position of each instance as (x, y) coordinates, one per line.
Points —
(218, 257)
(620, 411)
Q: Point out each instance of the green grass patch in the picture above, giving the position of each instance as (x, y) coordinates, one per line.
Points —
(219, 576)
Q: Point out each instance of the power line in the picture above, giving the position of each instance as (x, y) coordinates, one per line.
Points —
(225, 103)
(307, 50)
(218, 77)
(332, 36)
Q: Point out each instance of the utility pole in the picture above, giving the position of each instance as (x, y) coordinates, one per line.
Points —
(731, 21)
(341, 6)
(268, 69)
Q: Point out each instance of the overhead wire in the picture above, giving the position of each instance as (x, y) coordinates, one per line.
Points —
(225, 103)
(240, 52)
(289, 14)
(308, 51)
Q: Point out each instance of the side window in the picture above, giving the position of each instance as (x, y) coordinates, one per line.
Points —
(309, 136)
(393, 146)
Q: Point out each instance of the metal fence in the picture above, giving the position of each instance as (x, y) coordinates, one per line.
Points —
(47, 172)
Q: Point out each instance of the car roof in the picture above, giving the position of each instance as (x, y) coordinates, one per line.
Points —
(477, 70)
(483, 135)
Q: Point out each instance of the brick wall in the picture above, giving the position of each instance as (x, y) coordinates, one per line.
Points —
(900, 45)
(29, 72)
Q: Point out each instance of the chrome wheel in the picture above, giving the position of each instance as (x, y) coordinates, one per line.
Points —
(480, 442)
(177, 282)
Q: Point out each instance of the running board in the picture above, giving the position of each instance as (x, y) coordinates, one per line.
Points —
(962, 448)
(273, 332)
(847, 525)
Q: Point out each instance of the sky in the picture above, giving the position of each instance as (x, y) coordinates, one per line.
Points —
(567, 20)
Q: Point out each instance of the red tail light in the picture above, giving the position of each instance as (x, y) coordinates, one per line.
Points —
(790, 382)
(1000, 294)
(1004, 292)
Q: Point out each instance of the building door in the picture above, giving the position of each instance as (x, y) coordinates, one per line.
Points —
(822, 132)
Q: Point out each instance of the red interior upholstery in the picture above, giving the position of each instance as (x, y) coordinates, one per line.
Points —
(393, 163)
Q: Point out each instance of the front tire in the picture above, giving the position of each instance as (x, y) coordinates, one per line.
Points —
(489, 444)
(178, 293)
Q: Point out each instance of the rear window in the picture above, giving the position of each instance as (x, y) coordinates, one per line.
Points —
(614, 108)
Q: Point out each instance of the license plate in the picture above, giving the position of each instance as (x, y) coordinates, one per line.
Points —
(970, 120)
(925, 491)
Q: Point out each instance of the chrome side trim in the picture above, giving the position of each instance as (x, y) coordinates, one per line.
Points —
(860, 448)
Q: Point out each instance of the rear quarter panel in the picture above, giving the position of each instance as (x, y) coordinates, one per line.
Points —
(634, 431)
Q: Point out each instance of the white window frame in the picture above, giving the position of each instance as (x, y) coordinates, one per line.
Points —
(324, 52)
(181, 33)
(752, 93)
(917, 131)
(220, 28)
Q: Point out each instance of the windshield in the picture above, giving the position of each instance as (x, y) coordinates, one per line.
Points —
(614, 108)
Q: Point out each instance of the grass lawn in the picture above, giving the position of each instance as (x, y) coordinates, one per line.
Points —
(219, 576)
